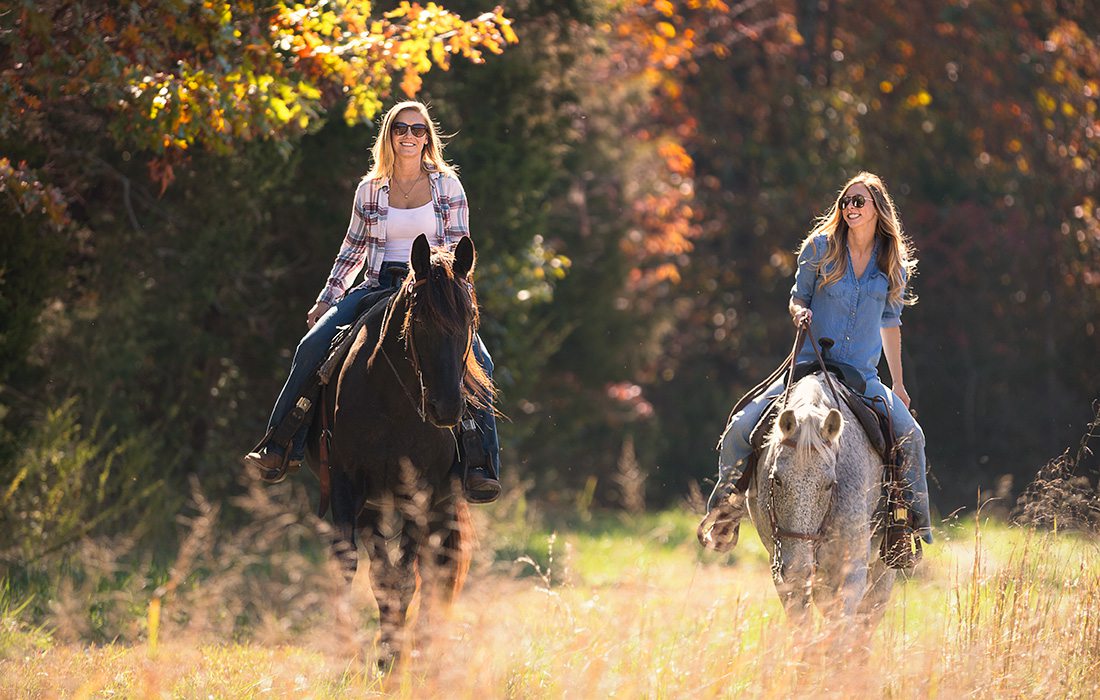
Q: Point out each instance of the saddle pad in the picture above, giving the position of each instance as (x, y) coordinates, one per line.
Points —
(343, 340)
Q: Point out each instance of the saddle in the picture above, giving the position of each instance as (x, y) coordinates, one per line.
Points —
(850, 390)
(345, 336)
(899, 548)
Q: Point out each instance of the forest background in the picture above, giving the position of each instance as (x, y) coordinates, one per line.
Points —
(176, 178)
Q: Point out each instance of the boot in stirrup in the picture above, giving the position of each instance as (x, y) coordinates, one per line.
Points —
(479, 483)
(269, 465)
(721, 525)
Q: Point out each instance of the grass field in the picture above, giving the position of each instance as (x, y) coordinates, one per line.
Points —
(582, 606)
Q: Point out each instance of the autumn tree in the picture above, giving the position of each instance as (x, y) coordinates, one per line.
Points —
(141, 146)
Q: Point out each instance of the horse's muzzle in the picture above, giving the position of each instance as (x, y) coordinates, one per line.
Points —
(445, 413)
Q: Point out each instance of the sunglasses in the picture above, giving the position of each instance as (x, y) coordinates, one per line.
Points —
(401, 128)
(856, 201)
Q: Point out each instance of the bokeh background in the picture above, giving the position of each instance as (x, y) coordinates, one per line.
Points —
(176, 178)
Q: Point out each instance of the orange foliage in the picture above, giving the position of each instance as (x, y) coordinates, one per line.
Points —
(172, 76)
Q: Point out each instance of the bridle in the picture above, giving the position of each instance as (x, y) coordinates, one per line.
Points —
(777, 531)
(411, 351)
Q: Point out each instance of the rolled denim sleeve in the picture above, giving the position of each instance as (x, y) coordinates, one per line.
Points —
(805, 277)
(891, 313)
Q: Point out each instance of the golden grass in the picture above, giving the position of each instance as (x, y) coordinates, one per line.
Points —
(630, 608)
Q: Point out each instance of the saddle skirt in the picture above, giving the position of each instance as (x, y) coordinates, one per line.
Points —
(341, 344)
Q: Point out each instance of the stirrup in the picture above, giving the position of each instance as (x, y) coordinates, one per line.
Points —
(901, 546)
(270, 475)
(721, 526)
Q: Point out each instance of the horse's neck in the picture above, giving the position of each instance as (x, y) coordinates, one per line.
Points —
(388, 361)
(859, 469)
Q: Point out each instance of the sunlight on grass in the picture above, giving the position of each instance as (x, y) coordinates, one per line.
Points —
(623, 605)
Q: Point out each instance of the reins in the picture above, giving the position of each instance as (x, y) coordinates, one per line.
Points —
(413, 359)
(777, 531)
(413, 355)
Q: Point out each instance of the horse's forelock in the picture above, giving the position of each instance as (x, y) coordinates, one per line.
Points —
(449, 302)
(444, 300)
(810, 405)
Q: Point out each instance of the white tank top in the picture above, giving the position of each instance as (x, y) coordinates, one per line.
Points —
(402, 228)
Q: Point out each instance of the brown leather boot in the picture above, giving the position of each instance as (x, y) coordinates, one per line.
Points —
(480, 486)
(269, 465)
(721, 526)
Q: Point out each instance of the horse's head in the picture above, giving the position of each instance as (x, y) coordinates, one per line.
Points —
(441, 318)
(800, 460)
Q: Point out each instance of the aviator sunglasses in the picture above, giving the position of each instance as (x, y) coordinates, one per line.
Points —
(401, 128)
(856, 201)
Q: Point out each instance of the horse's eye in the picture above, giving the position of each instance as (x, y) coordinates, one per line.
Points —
(777, 482)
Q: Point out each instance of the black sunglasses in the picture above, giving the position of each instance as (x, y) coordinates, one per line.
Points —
(401, 128)
(856, 200)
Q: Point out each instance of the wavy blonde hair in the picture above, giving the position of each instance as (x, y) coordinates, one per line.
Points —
(895, 257)
(382, 151)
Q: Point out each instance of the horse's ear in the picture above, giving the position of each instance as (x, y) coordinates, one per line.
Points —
(787, 423)
(834, 423)
(421, 258)
(464, 257)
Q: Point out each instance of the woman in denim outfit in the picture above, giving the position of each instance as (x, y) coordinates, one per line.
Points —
(853, 269)
(409, 190)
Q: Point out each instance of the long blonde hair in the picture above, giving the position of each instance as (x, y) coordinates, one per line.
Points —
(382, 152)
(895, 257)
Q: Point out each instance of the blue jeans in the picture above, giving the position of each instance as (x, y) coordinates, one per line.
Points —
(313, 349)
(734, 446)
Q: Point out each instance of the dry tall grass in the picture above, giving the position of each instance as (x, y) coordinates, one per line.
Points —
(627, 607)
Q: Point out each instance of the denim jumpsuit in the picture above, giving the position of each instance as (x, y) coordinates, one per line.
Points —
(851, 311)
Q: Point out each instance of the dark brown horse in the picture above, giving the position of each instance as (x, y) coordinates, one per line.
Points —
(403, 386)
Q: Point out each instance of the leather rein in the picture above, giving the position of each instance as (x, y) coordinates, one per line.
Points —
(777, 531)
(324, 473)
(412, 355)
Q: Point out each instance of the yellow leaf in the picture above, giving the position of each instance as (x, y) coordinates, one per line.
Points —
(282, 112)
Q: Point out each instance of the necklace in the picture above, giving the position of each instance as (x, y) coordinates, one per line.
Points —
(412, 187)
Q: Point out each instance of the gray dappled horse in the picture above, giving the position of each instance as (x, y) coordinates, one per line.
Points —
(813, 500)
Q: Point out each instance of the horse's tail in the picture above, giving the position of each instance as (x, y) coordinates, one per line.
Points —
(459, 548)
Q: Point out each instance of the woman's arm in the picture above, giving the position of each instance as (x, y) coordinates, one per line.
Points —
(891, 346)
(458, 224)
(349, 261)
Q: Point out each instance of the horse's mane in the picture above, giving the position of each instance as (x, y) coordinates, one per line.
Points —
(449, 303)
(808, 400)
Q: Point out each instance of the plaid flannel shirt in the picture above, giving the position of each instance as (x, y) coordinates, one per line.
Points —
(364, 246)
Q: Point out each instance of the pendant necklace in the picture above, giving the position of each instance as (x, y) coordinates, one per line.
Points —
(411, 187)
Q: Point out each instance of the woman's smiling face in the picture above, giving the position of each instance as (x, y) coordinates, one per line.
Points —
(858, 217)
(409, 145)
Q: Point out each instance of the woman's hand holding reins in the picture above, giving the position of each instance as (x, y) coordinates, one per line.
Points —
(801, 315)
(319, 309)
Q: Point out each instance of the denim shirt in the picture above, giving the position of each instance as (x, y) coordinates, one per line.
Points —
(851, 311)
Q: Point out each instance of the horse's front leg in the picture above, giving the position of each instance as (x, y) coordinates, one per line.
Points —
(393, 575)
(843, 578)
(346, 504)
(880, 584)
